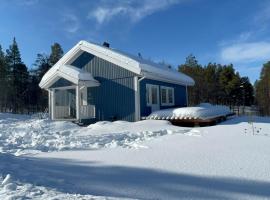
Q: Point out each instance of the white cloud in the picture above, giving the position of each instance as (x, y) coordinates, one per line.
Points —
(102, 14)
(70, 22)
(134, 10)
(242, 38)
(246, 52)
(251, 45)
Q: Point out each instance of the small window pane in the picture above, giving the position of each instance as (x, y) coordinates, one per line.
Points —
(163, 95)
(170, 95)
(154, 95)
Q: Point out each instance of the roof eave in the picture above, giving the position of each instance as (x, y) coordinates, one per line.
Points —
(154, 76)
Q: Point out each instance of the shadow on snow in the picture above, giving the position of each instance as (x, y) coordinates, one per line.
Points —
(119, 181)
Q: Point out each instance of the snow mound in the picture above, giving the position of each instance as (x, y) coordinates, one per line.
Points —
(202, 111)
(25, 135)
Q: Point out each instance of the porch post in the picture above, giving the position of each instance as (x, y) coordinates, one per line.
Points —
(52, 96)
(78, 97)
(49, 103)
(187, 95)
(137, 98)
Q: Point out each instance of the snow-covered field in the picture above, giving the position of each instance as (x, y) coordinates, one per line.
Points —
(42, 159)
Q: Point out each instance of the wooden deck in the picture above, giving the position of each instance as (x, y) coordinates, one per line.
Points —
(197, 122)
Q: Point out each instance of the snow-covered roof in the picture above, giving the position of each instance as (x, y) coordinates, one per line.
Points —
(70, 73)
(135, 64)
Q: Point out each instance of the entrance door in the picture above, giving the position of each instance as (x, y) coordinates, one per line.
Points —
(72, 103)
(65, 103)
(152, 97)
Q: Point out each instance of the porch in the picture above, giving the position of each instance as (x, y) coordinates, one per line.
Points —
(70, 103)
(68, 94)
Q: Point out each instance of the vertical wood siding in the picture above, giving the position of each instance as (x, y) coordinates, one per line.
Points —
(114, 98)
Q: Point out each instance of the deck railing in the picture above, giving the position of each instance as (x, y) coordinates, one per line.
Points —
(88, 111)
(66, 112)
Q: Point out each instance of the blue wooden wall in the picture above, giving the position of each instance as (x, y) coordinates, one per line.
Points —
(179, 95)
(114, 98)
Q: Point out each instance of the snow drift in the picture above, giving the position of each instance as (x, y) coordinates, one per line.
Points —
(21, 134)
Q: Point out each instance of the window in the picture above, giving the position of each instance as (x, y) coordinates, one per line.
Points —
(84, 96)
(163, 95)
(167, 96)
(152, 94)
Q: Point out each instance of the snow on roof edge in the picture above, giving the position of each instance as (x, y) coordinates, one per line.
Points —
(132, 63)
(149, 67)
(70, 73)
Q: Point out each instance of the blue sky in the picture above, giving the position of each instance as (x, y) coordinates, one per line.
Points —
(231, 31)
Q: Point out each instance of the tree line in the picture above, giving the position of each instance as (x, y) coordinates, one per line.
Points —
(19, 88)
(214, 83)
(217, 84)
(262, 90)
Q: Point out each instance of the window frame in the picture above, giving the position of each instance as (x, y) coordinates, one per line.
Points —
(149, 92)
(84, 92)
(167, 103)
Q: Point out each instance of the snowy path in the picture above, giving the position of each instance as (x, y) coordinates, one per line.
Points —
(225, 162)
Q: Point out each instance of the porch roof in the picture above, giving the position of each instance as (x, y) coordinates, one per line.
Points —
(70, 73)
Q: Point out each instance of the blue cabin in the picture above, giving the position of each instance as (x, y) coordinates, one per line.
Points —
(94, 82)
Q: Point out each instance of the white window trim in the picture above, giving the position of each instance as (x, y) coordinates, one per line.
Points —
(167, 96)
(150, 86)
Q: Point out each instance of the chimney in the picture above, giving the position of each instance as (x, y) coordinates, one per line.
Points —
(106, 44)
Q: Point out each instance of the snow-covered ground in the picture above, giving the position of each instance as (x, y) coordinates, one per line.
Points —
(41, 159)
(23, 134)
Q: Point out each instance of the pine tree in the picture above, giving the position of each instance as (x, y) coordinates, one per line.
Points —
(42, 65)
(263, 90)
(247, 91)
(34, 92)
(56, 53)
(17, 78)
(193, 69)
(191, 61)
(3, 81)
(20, 84)
(211, 83)
(229, 82)
(217, 84)
(13, 55)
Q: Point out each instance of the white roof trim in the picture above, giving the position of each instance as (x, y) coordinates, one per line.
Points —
(70, 73)
(111, 56)
(132, 63)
